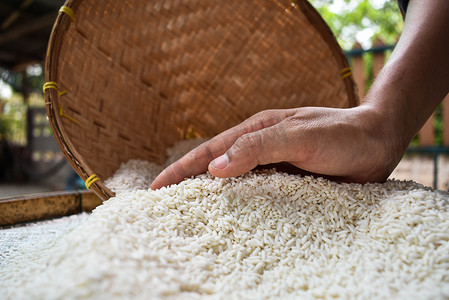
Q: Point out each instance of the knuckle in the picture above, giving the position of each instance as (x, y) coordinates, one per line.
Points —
(250, 140)
(261, 114)
(262, 119)
(195, 155)
(227, 140)
(250, 144)
(178, 170)
(208, 154)
(271, 117)
(200, 154)
(169, 174)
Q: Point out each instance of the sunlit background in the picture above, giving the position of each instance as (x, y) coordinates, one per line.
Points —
(357, 24)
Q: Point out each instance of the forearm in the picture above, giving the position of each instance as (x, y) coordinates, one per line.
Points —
(416, 78)
(360, 144)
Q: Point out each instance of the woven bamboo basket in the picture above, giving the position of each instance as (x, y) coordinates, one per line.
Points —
(128, 79)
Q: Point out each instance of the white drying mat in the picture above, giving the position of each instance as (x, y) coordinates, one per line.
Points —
(24, 238)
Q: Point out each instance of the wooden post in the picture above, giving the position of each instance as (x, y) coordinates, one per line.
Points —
(446, 121)
(378, 57)
(357, 71)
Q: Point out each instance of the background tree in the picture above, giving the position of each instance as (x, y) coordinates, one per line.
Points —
(361, 20)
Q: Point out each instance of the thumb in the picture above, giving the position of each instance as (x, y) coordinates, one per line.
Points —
(250, 150)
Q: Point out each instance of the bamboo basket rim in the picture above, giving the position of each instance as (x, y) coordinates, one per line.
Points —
(61, 25)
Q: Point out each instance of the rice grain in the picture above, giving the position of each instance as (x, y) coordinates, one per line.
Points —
(263, 235)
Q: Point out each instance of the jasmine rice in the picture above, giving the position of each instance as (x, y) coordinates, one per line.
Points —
(263, 235)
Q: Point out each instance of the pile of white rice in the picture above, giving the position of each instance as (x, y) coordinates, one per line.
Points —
(264, 235)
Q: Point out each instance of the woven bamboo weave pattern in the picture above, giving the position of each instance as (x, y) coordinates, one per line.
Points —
(142, 75)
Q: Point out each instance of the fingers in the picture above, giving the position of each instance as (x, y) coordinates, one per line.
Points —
(196, 161)
(261, 147)
(193, 163)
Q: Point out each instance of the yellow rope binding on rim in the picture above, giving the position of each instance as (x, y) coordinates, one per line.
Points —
(90, 180)
(346, 72)
(68, 11)
(53, 85)
(50, 85)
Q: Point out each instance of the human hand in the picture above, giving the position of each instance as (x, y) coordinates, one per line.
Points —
(359, 144)
(346, 144)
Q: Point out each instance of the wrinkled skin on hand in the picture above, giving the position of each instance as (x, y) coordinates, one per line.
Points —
(361, 144)
(345, 144)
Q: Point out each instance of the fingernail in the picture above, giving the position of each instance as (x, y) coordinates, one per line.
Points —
(220, 162)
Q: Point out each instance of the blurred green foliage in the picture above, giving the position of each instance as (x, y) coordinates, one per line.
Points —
(13, 120)
(362, 21)
(4, 129)
(376, 18)
(14, 108)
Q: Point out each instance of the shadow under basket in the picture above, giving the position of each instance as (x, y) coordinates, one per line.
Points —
(128, 79)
